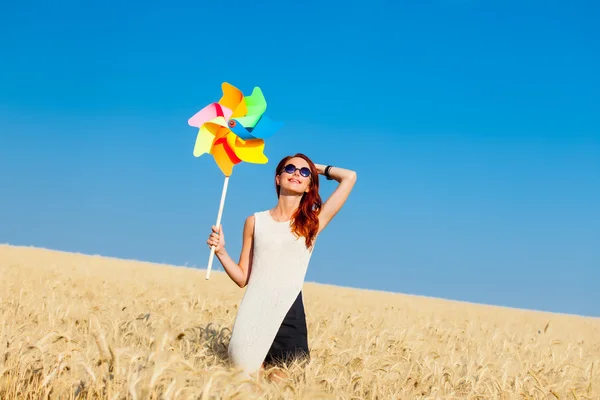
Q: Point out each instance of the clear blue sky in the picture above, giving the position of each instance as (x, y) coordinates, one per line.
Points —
(474, 127)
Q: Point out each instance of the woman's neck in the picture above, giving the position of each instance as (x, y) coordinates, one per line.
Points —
(286, 206)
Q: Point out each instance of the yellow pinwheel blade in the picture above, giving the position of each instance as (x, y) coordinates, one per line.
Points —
(218, 121)
(240, 110)
(218, 127)
(204, 141)
(233, 99)
(224, 157)
(232, 96)
(251, 151)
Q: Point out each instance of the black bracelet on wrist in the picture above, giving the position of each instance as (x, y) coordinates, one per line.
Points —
(327, 173)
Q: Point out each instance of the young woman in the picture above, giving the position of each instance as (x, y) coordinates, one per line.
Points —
(270, 325)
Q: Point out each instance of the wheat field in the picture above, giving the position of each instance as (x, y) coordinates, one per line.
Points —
(88, 327)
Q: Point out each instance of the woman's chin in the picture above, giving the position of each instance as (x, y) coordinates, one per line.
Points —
(292, 191)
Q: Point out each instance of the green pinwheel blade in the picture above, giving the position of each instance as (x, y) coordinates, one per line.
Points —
(256, 105)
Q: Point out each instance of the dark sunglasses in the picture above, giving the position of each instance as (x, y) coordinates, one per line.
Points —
(291, 168)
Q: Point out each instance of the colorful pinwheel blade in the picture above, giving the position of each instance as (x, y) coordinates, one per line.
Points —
(233, 99)
(263, 129)
(220, 121)
(239, 130)
(224, 156)
(250, 151)
(266, 127)
(204, 141)
(209, 112)
(256, 105)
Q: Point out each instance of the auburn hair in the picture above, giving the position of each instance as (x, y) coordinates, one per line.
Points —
(305, 220)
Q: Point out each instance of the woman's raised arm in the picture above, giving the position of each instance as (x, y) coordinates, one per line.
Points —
(346, 179)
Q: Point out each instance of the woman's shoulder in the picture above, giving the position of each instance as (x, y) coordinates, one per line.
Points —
(255, 220)
(260, 214)
(257, 215)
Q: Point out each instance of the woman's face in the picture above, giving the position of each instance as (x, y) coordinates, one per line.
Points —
(292, 179)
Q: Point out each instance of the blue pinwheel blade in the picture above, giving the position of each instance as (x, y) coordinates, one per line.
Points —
(264, 128)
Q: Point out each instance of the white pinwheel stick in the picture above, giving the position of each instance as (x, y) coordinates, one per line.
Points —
(219, 215)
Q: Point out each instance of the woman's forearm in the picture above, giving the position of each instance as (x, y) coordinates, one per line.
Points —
(336, 173)
(346, 179)
(232, 268)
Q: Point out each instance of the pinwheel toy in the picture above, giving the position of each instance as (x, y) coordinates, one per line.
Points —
(233, 130)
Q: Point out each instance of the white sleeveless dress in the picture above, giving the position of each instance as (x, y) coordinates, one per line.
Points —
(279, 267)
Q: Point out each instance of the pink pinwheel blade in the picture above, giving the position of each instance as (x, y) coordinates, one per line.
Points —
(208, 113)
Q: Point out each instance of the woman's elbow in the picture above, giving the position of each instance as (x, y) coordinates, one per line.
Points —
(350, 177)
(243, 283)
